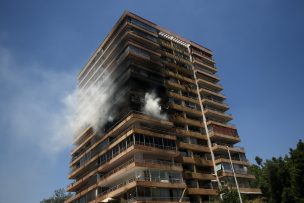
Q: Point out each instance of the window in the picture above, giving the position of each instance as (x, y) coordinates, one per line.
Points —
(143, 25)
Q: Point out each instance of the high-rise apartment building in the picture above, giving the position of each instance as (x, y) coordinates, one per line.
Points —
(180, 151)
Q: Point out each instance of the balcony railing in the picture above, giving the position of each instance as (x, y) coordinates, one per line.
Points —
(219, 144)
(161, 199)
(150, 179)
(232, 158)
(217, 111)
(133, 160)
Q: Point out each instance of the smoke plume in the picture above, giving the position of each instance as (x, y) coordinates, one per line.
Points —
(152, 106)
(90, 107)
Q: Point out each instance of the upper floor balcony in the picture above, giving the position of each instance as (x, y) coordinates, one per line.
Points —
(185, 109)
(235, 160)
(202, 191)
(212, 102)
(132, 182)
(193, 147)
(238, 174)
(222, 133)
(192, 122)
(222, 147)
(191, 133)
(198, 175)
(211, 112)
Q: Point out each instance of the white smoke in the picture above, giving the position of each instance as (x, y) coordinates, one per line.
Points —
(89, 107)
(152, 106)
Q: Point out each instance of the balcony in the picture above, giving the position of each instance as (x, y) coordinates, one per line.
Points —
(178, 76)
(195, 160)
(222, 133)
(201, 63)
(222, 147)
(119, 128)
(79, 183)
(186, 98)
(169, 46)
(181, 87)
(215, 103)
(152, 148)
(185, 109)
(202, 191)
(181, 119)
(153, 199)
(83, 139)
(205, 92)
(200, 54)
(194, 147)
(199, 176)
(175, 57)
(135, 163)
(133, 148)
(140, 181)
(210, 85)
(215, 113)
(238, 174)
(191, 133)
(224, 158)
(203, 74)
(181, 69)
(247, 190)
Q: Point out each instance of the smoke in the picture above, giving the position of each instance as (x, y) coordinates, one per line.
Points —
(89, 107)
(152, 106)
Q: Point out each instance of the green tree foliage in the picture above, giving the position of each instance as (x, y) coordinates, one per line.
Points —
(230, 196)
(281, 179)
(59, 196)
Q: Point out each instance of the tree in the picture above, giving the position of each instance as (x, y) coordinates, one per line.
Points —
(296, 167)
(230, 196)
(59, 196)
(281, 179)
(259, 160)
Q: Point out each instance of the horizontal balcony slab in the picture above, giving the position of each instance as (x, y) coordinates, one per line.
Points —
(132, 166)
(223, 148)
(238, 174)
(186, 98)
(195, 160)
(215, 104)
(194, 147)
(181, 119)
(133, 117)
(135, 149)
(121, 188)
(180, 77)
(202, 191)
(199, 176)
(218, 115)
(213, 86)
(79, 183)
(186, 109)
(204, 91)
(191, 133)
(205, 74)
(224, 138)
(227, 160)
(180, 87)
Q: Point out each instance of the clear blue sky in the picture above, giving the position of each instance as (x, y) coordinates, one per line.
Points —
(258, 46)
